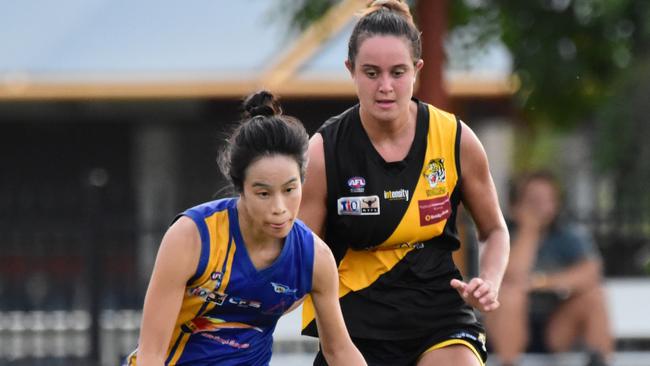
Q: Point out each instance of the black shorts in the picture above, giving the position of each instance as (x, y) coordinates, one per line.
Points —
(542, 305)
(407, 352)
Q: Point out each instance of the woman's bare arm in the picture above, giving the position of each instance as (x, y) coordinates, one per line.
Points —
(176, 262)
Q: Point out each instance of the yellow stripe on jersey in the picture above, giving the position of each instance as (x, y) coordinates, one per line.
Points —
(373, 265)
(219, 231)
(441, 154)
(131, 358)
(308, 313)
(179, 350)
(360, 268)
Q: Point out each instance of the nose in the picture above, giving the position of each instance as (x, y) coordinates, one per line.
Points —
(385, 83)
(278, 206)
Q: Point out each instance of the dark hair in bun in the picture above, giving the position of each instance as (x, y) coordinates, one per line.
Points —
(263, 131)
(262, 103)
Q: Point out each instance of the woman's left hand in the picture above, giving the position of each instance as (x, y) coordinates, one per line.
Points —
(479, 293)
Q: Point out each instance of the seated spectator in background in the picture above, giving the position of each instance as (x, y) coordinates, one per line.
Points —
(552, 299)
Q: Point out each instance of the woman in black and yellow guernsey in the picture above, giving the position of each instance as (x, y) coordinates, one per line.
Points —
(383, 186)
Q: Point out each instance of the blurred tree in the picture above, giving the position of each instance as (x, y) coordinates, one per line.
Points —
(566, 53)
(621, 131)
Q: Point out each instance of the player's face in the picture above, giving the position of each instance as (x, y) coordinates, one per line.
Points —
(384, 73)
(271, 196)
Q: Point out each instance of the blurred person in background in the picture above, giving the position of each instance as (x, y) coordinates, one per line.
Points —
(228, 269)
(552, 294)
(383, 186)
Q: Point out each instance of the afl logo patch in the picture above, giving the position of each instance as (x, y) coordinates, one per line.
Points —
(357, 184)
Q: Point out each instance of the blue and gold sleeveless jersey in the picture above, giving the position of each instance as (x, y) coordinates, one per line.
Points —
(391, 227)
(230, 309)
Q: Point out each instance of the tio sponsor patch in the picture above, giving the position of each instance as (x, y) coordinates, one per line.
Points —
(364, 205)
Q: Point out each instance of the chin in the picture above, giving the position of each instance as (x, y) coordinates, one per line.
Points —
(280, 234)
(386, 117)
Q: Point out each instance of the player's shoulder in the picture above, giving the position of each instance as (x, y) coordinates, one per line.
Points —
(338, 119)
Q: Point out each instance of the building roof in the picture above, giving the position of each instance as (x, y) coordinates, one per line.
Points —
(219, 48)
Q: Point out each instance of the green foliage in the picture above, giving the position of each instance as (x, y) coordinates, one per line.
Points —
(304, 12)
(535, 147)
(622, 129)
(566, 53)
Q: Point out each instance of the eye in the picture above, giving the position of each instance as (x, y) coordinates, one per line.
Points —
(263, 194)
(371, 74)
(399, 72)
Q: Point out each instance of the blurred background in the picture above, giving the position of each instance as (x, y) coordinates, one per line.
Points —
(112, 113)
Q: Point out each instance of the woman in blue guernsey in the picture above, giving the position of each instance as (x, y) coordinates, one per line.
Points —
(228, 269)
(383, 187)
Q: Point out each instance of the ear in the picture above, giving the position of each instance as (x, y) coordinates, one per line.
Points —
(418, 66)
(350, 67)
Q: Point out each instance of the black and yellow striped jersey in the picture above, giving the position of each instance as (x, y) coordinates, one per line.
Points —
(391, 227)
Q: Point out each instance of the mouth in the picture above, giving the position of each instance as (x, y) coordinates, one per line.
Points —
(279, 226)
(384, 103)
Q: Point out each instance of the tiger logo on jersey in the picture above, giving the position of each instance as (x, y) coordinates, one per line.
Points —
(435, 173)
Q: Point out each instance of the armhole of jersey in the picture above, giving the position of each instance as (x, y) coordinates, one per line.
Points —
(457, 151)
(205, 242)
(310, 247)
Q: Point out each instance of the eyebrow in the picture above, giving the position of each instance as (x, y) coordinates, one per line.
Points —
(264, 185)
(377, 67)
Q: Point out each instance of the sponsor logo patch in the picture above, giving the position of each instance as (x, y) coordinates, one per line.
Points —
(283, 289)
(365, 205)
(438, 191)
(244, 303)
(207, 295)
(402, 194)
(216, 298)
(434, 210)
(357, 184)
(416, 245)
(216, 277)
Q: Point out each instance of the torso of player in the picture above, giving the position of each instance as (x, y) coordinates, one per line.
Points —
(230, 308)
(376, 206)
(391, 227)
